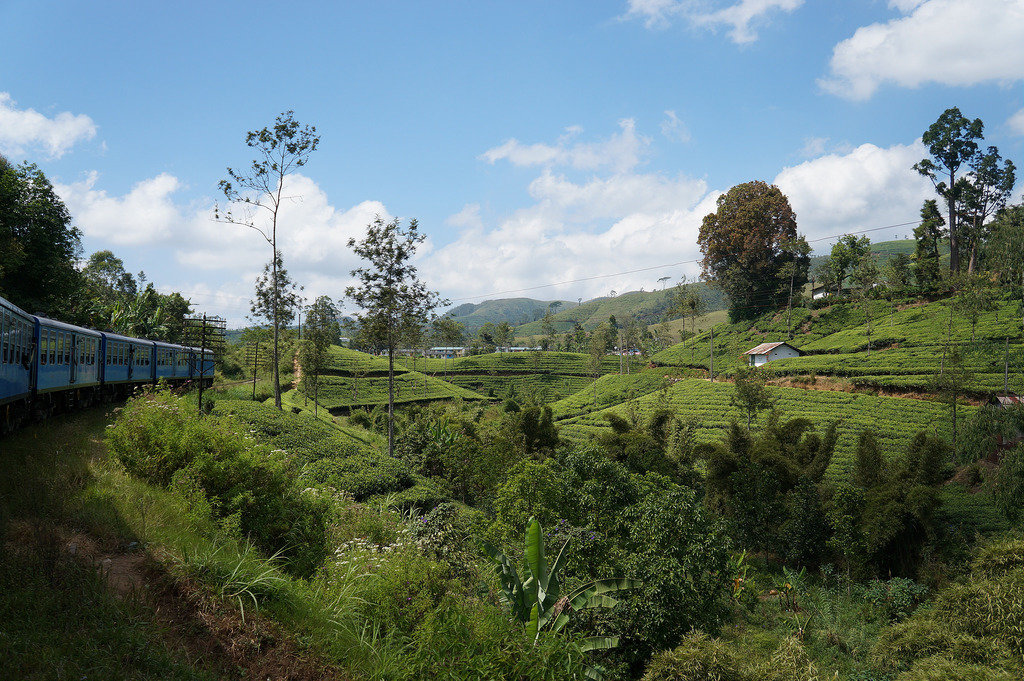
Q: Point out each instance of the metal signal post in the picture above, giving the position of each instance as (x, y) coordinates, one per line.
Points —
(207, 333)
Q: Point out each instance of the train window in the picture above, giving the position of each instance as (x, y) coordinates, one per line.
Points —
(51, 346)
(42, 347)
(5, 326)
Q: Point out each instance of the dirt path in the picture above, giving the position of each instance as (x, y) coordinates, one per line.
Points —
(203, 632)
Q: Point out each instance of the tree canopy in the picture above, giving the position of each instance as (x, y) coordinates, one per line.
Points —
(38, 242)
(744, 243)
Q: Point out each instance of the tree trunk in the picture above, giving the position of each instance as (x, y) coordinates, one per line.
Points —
(391, 396)
(954, 237)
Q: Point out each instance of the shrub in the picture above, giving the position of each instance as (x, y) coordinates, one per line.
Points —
(896, 597)
(361, 475)
(944, 669)
(698, 658)
(900, 645)
(789, 662)
(244, 485)
(985, 608)
(999, 557)
(679, 553)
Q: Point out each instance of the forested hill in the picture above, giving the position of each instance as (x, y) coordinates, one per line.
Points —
(647, 307)
(515, 311)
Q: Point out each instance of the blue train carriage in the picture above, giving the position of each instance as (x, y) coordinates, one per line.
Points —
(67, 371)
(200, 364)
(126, 362)
(171, 362)
(17, 340)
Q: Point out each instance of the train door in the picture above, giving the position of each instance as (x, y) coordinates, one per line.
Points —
(131, 360)
(73, 359)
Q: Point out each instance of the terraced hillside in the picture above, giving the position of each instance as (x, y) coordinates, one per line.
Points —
(882, 346)
(356, 379)
(894, 421)
(549, 375)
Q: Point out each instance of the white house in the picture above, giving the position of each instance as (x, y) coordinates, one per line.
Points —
(766, 352)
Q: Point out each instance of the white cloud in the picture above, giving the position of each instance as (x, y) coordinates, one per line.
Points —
(619, 152)
(22, 129)
(622, 220)
(950, 42)
(813, 146)
(868, 187)
(673, 128)
(740, 18)
(1016, 122)
(468, 217)
(145, 215)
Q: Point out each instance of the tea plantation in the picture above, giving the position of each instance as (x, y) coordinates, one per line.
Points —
(894, 421)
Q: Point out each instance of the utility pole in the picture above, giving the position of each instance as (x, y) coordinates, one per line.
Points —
(1006, 368)
(712, 353)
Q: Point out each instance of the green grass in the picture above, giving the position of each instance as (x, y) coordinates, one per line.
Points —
(60, 620)
(546, 387)
(894, 421)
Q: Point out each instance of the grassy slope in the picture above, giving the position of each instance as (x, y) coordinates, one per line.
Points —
(60, 620)
(893, 420)
(340, 392)
(913, 341)
(648, 307)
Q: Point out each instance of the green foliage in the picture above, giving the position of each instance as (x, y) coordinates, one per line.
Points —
(245, 485)
(536, 599)
(678, 552)
(707, 406)
(698, 658)
(975, 628)
(362, 476)
(896, 597)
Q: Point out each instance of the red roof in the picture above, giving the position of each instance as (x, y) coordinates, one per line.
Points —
(765, 348)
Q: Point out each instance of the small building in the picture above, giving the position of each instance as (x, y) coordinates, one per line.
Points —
(447, 352)
(516, 348)
(766, 352)
(1006, 401)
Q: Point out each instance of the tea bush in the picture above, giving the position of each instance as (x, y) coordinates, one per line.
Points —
(698, 658)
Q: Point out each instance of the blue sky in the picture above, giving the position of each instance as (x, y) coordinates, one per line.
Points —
(535, 142)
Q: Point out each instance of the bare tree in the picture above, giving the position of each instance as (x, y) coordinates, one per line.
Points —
(255, 195)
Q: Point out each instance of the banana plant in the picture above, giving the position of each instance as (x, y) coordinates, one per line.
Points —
(537, 600)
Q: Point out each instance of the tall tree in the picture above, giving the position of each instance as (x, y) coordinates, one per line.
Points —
(952, 140)
(321, 331)
(389, 294)
(276, 295)
(751, 394)
(38, 242)
(255, 195)
(927, 236)
(985, 190)
(847, 254)
(742, 243)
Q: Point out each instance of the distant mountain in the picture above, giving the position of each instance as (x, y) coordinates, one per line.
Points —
(648, 307)
(515, 311)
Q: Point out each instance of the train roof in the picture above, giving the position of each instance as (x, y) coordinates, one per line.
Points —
(14, 308)
(64, 326)
(128, 339)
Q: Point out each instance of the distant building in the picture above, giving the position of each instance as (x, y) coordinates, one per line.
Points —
(766, 352)
(447, 352)
(517, 348)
